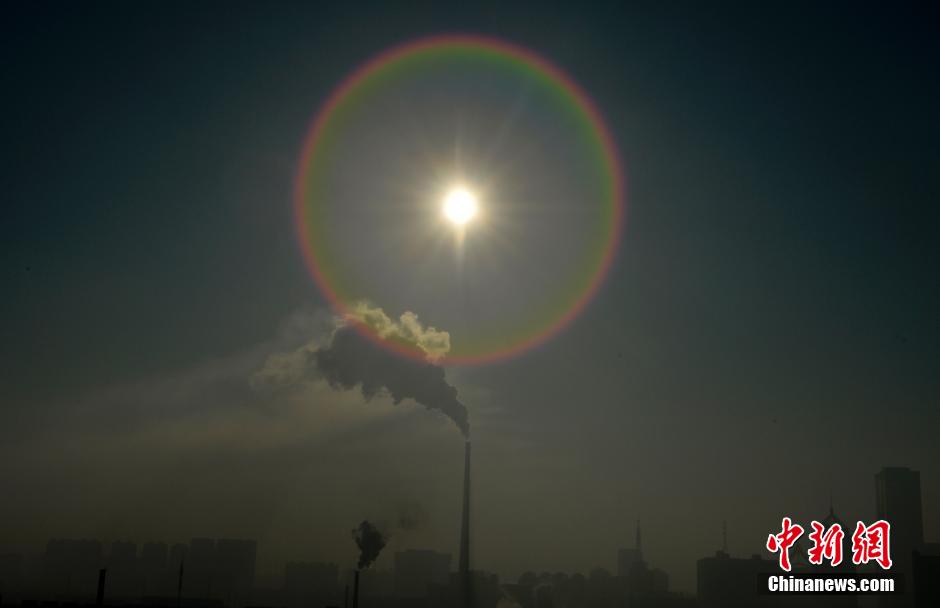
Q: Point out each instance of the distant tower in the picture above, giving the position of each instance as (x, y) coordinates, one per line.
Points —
(464, 561)
(629, 560)
(898, 500)
(639, 544)
(724, 535)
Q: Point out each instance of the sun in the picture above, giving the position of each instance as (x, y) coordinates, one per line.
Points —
(460, 206)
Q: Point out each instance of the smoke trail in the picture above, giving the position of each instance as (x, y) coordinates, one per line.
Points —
(349, 360)
(370, 542)
(353, 360)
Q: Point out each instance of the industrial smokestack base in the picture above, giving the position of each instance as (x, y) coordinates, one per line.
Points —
(463, 573)
(356, 590)
(99, 601)
(464, 560)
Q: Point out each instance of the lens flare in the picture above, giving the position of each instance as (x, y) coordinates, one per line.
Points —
(314, 209)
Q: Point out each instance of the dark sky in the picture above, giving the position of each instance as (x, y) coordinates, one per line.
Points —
(769, 333)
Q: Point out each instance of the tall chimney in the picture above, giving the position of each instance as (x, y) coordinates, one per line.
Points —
(179, 585)
(99, 600)
(465, 521)
(356, 590)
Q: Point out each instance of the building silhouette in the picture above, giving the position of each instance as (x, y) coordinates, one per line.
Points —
(70, 569)
(155, 575)
(898, 501)
(416, 570)
(725, 581)
(634, 576)
(925, 572)
(12, 573)
(309, 584)
(628, 558)
(122, 576)
(234, 570)
(799, 557)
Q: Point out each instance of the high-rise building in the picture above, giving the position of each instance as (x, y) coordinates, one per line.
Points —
(70, 569)
(726, 581)
(153, 569)
(11, 572)
(200, 565)
(898, 501)
(122, 577)
(234, 570)
(630, 559)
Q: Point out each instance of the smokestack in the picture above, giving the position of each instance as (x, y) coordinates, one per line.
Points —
(356, 590)
(639, 543)
(179, 586)
(465, 522)
(100, 599)
(463, 576)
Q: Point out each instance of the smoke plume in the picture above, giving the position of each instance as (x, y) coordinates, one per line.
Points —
(408, 330)
(370, 542)
(352, 360)
(348, 360)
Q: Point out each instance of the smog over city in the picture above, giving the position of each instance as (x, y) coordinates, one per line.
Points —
(383, 305)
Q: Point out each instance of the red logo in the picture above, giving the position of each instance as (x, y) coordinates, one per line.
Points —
(781, 543)
(872, 543)
(827, 544)
(869, 543)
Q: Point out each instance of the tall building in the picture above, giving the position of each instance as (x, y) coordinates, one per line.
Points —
(634, 576)
(11, 572)
(731, 582)
(629, 559)
(234, 570)
(122, 579)
(222, 570)
(898, 501)
(154, 574)
(416, 570)
(925, 572)
(799, 557)
(200, 566)
(830, 520)
(70, 569)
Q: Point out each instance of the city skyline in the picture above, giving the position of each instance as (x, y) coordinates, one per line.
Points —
(158, 566)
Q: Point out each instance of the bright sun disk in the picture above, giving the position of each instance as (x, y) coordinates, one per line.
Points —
(460, 205)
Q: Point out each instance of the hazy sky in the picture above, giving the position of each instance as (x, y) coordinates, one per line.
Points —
(768, 334)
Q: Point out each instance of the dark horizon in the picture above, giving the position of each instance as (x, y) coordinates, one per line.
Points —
(222, 572)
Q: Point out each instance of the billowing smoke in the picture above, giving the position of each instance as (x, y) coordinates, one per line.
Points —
(349, 360)
(370, 541)
(407, 330)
